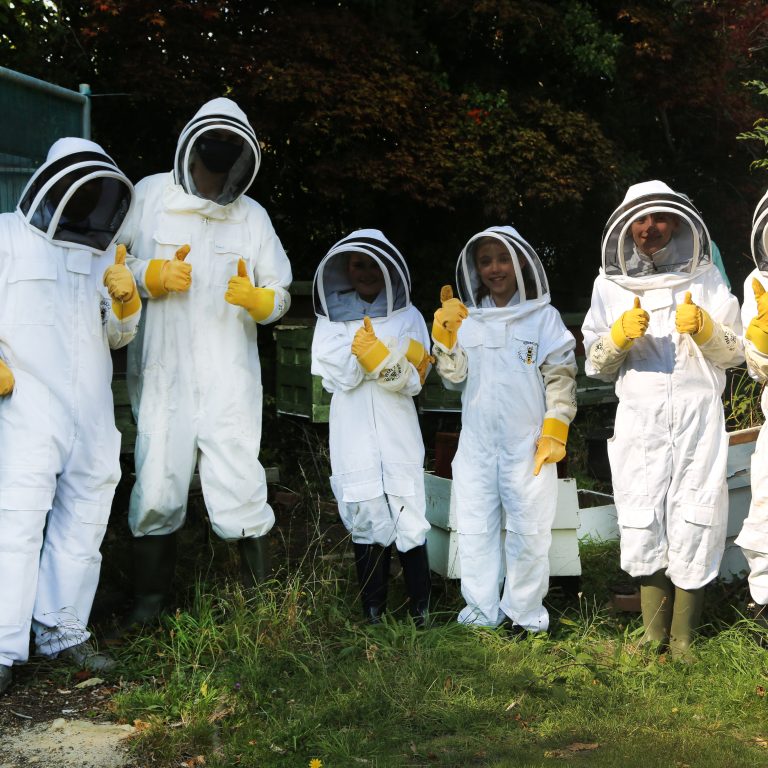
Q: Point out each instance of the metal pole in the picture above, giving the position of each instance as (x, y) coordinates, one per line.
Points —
(85, 89)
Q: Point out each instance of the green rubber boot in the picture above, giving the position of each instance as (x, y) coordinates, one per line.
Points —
(154, 564)
(254, 561)
(656, 593)
(685, 621)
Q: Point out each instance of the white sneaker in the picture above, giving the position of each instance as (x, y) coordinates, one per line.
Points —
(6, 677)
(86, 656)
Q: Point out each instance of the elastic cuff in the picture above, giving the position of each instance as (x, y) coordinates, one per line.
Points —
(706, 331)
(125, 309)
(757, 336)
(618, 337)
(153, 280)
(555, 429)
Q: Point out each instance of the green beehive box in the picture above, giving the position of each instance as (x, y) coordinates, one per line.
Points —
(435, 397)
(298, 392)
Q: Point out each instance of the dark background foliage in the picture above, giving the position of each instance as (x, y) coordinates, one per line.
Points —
(432, 120)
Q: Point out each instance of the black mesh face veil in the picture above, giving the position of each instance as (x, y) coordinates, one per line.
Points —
(530, 278)
(759, 236)
(218, 147)
(332, 288)
(79, 199)
(688, 248)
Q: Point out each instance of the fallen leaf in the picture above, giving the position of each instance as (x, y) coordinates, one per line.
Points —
(90, 682)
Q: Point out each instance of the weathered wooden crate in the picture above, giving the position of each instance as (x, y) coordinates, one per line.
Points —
(442, 539)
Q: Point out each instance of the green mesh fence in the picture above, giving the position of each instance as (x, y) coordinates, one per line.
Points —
(35, 114)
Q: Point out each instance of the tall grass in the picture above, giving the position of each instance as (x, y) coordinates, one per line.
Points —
(287, 673)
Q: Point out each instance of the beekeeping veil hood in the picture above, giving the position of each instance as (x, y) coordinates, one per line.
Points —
(760, 235)
(333, 294)
(220, 142)
(78, 197)
(532, 287)
(687, 252)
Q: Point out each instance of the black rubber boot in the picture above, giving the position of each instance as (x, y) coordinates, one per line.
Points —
(154, 564)
(418, 583)
(254, 561)
(372, 563)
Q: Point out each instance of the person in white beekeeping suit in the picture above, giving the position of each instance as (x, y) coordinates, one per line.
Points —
(753, 538)
(370, 349)
(66, 298)
(505, 347)
(664, 326)
(212, 268)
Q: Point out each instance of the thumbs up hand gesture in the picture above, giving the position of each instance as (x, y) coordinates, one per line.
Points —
(689, 317)
(630, 326)
(260, 302)
(757, 330)
(118, 278)
(176, 274)
(367, 348)
(448, 318)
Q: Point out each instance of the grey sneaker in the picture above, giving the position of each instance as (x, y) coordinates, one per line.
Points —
(6, 676)
(86, 656)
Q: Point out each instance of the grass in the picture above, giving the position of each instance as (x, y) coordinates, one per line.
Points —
(287, 673)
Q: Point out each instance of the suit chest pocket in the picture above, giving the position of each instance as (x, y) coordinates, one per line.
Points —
(31, 292)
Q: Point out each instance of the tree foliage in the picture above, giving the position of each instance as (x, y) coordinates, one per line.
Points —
(429, 120)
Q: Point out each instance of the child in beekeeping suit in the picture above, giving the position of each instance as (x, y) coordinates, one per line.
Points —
(505, 346)
(753, 538)
(370, 348)
(664, 326)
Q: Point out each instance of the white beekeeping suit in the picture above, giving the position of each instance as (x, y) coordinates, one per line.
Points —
(376, 448)
(669, 448)
(59, 448)
(516, 369)
(753, 538)
(212, 268)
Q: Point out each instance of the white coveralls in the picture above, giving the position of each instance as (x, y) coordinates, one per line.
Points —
(193, 374)
(59, 448)
(668, 452)
(515, 366)
(376, 448)
(753, 538)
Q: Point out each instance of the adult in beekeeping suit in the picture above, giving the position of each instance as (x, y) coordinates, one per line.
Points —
(505, 347)
(753, 538)
(66, 297)
(370, 348)
(664, 326)
(212, 268)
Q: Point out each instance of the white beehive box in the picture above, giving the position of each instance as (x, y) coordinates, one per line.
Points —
(442, 539)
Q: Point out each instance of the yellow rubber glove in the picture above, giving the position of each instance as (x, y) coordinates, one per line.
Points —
(121, 287)
(692, 319)
(550, 447)
(757, 330)
(165, 276)
(630, 326)
(6, 380)
(260, 302)
(417, 355)
(367, 348)
(448, 318)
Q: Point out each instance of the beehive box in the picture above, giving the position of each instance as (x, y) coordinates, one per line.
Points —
(442, 539)
(297, 391)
